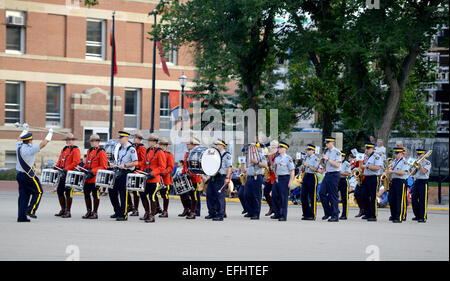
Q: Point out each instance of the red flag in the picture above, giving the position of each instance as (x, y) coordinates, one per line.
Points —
(163, 60)
(112, 43)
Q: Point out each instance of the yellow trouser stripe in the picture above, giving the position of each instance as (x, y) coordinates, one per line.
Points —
(426, 202)
(404, 204)
(98, 193)
(346, 194)
(401, 205)
(315, 191)
(71, 192)
(375, 199)
(167, 191)
(156, 190)
(39, 196)
(126, 203)
(195, 192)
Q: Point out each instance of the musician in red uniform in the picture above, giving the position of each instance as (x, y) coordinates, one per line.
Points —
(269, 181)
(140, 149)
(167, 177)
(96, 159)
(68, 160)
(155, 163)
(195, 180)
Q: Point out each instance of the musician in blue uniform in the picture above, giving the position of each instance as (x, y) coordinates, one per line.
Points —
(215, 193)
(29, 184)
(420, 195)
(329, 188)
(127, 159)
(372, 168)
(254, 167)
(310, 167)
(284, 173)
(343, 186)
(398, 175)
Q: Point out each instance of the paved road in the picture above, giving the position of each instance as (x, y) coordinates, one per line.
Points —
(236, 238)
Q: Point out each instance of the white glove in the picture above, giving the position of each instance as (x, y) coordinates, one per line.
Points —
(25, 130)
(49, 135)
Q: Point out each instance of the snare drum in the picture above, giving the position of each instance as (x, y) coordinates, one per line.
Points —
(105, 178)
(75, 179)
(204, 161)
(182, 184)
(136, 182)
(50, 177)
(161, 184)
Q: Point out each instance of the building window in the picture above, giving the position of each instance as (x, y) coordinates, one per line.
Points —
(55, 105)
(171, 55)
(132, 108)
(164, 112)
(13, 102)
(10, 159)
(95, 39)
(15, 32)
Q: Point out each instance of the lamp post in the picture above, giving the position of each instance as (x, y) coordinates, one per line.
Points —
(183, 80)
(153, 77)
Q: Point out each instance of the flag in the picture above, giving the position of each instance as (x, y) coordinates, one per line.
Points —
(163, 60)
(112, 43)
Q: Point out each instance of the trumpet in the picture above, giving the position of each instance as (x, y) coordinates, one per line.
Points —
(358, 175)
(40, 129)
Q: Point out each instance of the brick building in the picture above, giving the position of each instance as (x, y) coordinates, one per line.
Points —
(55, 60)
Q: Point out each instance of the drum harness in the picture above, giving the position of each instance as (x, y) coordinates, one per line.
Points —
(63, 160)
(147, 163)
(90, 161)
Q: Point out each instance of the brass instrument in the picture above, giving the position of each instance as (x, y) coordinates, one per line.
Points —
(298, 179)
(416, 164)
(243, 178)
(358, 175)
(385, 178)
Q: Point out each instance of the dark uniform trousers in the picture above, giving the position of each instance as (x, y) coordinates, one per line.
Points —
(120, 190)
(28, 187)
(308, 195)
(62, 191)
(369, 193)
(214, 199)
(396, 198)
(253, 195)
(91, 188)
(343, 190)
(419, 200)
(329, 195)
(241, 195)
(150, 192)
(280, 196)
(267, 189)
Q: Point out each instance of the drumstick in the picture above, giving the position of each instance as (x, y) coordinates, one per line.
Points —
(79, 168)
(225, 184)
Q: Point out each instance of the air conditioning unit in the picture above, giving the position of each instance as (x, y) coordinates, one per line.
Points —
(12, 20)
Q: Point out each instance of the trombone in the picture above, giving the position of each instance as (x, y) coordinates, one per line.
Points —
(40, 129)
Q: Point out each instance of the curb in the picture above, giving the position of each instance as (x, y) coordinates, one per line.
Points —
(203, 198)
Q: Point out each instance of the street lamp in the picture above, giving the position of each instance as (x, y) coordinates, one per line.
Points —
(183, 80)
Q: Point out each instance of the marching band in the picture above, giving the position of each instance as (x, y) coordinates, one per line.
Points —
(126, 168)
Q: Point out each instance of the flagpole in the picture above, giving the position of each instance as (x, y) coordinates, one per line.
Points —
(111, 100)
(153, 77)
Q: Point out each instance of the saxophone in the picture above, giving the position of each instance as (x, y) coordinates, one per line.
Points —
(385, 179)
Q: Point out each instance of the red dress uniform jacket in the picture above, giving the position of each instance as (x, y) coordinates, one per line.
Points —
(170, 164)
(96, 160)
(155, 161)
(272, 173)
(69, 158)
(140, 149)
(194, 178)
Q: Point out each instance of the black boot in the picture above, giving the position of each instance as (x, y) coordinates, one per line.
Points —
(62, 203)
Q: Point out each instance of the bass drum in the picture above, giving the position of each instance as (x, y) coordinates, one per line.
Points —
(112, 150)
(204, 161)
